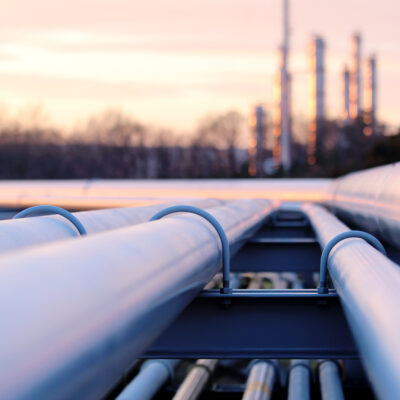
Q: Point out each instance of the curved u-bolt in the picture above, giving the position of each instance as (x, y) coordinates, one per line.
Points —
(372, 240)
(226, 289)
(49, 210)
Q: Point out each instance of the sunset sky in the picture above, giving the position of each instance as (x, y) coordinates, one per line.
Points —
(169, 62)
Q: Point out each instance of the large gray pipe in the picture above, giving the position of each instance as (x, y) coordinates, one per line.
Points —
(74, 314)
(370, 200)
(368, 286)
(99, 193)
(18, 233)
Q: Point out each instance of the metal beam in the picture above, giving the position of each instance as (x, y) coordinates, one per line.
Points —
(278, 255)
(368, 286)
(258, 324)
(75, 314)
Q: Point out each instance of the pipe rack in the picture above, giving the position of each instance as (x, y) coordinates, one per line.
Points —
(93, 305)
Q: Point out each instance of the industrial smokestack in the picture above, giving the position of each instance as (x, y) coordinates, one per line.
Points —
(355, 77)
(316, 99)
(346, 95)
(370, 97)
(257, 142)
(282, 133)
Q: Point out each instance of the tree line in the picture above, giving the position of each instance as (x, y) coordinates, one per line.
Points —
(114, 146)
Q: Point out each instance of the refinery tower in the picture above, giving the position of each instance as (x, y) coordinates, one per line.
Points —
(282, 114)
(316, 99)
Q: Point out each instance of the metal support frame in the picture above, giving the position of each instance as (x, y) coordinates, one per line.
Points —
(226, 256)
(372, 240)
(258, 324)
(91, 306)
(51, 210)
(301, 255)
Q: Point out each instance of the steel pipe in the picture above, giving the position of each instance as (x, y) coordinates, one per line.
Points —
(370, 200)
(372, 240)
(201, 373)
(98, 193)
(368, 286)
(37, 230)
(74, 314)
(261, 381)
(299, 380)
(151, 378)
(330, 382)
(197, 379)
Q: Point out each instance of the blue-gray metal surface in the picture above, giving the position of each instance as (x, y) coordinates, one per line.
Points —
(299, 380)
(74, 314)
(258, 324)
(286, 255)
(368, 286)
(152, 376)
(330, 382)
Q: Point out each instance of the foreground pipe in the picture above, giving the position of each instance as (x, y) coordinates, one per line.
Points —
(261, 381)
(15, 234)
(299, 380)
(151, 378)
(370, 200)
(74, 314)
(368, 286)
(330, 382)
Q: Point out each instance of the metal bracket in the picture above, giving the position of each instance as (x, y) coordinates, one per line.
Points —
(226, 289)
(49, 210)
(372, 240)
